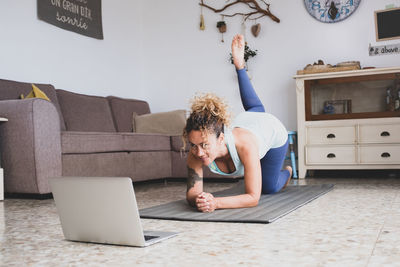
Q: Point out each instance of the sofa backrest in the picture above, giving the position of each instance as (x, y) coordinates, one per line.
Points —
(122, 110)
(85, 113)
(79, 112)
(13, 89)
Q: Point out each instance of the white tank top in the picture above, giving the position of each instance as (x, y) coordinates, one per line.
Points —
(269, 131)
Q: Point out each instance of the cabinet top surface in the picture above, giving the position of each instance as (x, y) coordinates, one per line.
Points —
(361, 72)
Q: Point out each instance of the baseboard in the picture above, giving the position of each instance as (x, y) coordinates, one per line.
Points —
(28, 196)
(213, 180)
(183, 180)
(388, 173)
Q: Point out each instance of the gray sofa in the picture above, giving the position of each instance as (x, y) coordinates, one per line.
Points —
(78, 135)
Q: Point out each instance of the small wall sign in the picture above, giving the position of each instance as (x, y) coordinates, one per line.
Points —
(80, 16)
(384, 50)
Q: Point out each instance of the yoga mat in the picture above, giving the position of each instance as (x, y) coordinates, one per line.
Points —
(270, 207)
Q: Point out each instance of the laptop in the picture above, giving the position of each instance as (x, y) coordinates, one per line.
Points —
(101, 210)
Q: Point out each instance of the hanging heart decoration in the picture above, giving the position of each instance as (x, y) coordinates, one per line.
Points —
(255, 29)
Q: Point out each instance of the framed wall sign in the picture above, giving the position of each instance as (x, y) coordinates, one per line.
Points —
(387, 24)
(80, 16)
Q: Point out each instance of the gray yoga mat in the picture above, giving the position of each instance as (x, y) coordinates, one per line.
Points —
(270, 207)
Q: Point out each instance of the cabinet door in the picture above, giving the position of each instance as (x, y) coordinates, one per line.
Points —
(380, 154)
(331, 155)
(389, 133)
(331, 135)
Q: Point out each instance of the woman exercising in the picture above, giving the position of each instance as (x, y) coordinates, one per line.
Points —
(254, 145)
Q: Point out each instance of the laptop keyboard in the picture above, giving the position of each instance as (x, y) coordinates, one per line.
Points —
(149, 237)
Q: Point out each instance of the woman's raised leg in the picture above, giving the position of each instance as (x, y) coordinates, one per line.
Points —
(249, 97)
(250, 100)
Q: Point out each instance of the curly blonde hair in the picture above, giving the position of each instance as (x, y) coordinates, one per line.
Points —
(209, 114)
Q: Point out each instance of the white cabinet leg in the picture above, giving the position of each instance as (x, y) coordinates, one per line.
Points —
(302, 172)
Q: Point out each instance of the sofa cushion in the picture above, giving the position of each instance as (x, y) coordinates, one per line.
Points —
(90, 142)
(139, 166)
(146, 142)
(13, 90)
(85, 113)
(170, 123)
(98, 142)
(122, 110)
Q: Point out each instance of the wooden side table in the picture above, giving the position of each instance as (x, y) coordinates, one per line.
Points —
(1, 171)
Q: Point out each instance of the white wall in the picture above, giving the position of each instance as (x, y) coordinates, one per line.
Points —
(153, 49)
(34, 51)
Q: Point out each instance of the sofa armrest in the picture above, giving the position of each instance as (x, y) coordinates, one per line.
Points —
(30, 144)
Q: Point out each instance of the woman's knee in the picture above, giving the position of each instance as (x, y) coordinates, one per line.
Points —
(269, 188)
(274, 185)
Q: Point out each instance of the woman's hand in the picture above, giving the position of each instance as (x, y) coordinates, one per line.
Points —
(205, 202)
(238, 45)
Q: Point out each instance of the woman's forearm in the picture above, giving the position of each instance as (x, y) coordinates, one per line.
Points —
(191, 197)
(194, 184)
(239, 201)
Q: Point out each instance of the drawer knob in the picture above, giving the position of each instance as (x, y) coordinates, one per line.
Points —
(385, 155)
(384, 133)
(331, 156)
(330, 136)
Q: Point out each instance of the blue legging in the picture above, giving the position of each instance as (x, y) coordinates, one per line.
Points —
(273, 177)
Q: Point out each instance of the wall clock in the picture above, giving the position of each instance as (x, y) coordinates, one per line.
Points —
(330, 11)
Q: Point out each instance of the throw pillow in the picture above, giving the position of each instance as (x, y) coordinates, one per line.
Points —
(170, 123)
(36, 93)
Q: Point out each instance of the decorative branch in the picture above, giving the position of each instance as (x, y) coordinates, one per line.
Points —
(252, 4)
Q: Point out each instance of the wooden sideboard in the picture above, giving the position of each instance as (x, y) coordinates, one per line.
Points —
(344, 122)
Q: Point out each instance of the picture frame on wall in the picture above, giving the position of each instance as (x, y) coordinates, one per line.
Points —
(79, 16)
(387, 24)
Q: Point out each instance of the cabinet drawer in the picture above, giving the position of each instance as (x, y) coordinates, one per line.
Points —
(331, 135)
(380, 154)
(389, 133)
(331, 155)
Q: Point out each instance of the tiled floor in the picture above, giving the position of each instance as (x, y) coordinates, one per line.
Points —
(356, 224)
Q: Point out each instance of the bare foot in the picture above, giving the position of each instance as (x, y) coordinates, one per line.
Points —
(290, 176)
(238, 45)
